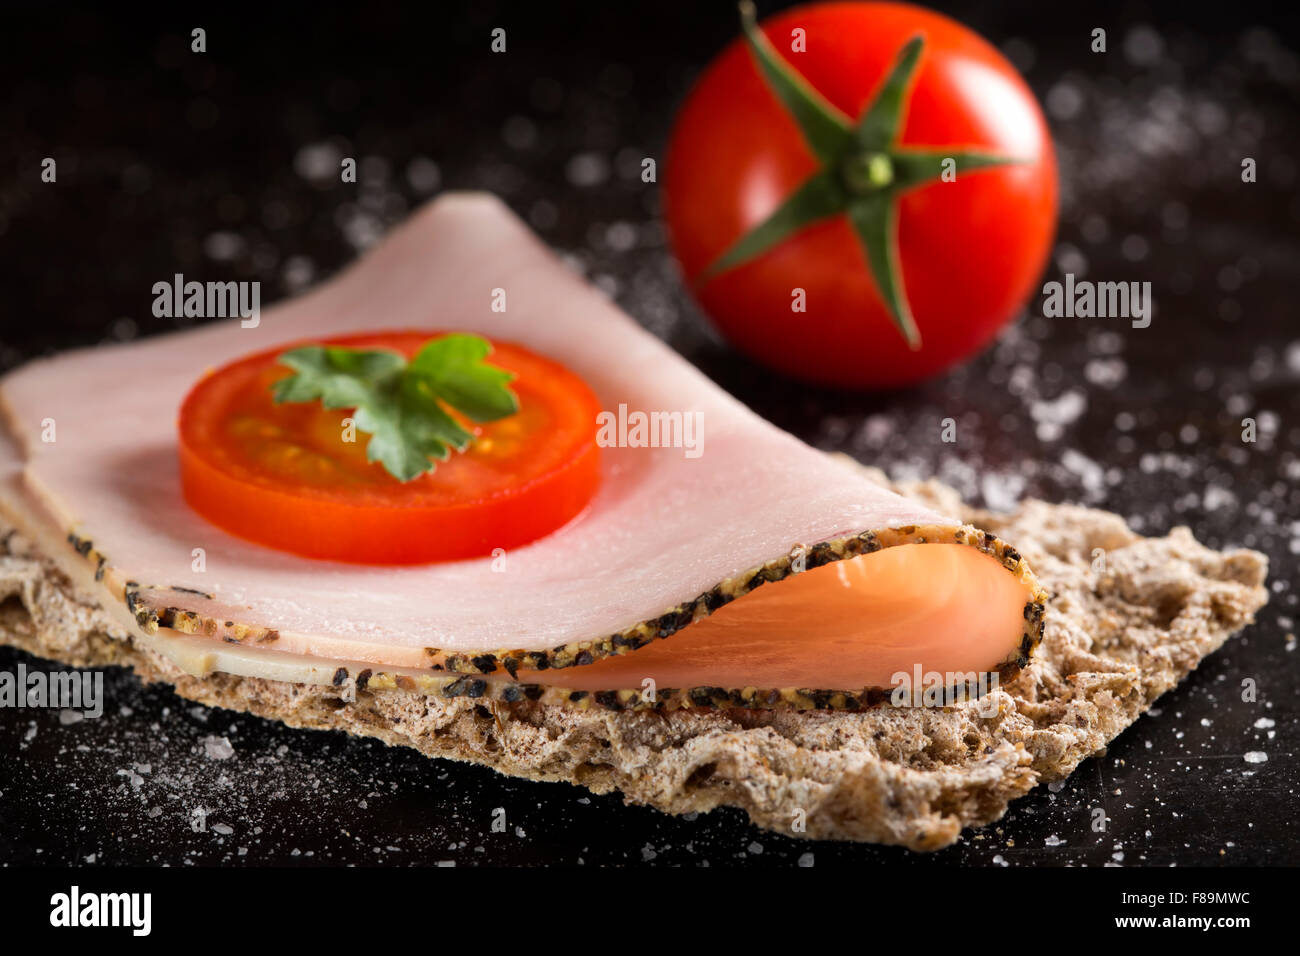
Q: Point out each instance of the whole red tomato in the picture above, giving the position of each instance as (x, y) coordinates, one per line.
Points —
(968, 251)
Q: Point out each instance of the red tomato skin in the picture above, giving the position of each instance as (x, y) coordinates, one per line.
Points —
(971, 250)
(391, 523)
(360, 535)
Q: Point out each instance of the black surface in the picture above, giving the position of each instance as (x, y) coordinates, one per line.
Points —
(160, 151)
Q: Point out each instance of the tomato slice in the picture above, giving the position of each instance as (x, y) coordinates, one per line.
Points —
(283, 475)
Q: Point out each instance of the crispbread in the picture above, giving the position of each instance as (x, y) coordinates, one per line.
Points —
(1128, 618)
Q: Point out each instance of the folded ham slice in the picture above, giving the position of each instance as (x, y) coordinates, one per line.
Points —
(669, 539)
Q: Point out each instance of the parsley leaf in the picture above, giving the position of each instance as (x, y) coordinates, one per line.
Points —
(452, 367)
(402, 405)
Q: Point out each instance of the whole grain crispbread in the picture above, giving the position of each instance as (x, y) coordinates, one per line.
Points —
(1119, 633)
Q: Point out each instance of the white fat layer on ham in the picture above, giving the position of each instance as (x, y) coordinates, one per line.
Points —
(663, 528)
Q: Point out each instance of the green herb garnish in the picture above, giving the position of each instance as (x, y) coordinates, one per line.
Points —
(404, 405)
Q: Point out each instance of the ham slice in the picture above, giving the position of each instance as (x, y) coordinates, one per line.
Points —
(669, 538)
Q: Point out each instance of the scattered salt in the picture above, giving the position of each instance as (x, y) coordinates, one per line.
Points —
(218, 748)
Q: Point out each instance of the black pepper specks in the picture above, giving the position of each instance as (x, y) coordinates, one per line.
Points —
(633, 638)
(820, 554)
(664, 625)
(185, 590)
(81, 545)
(473, 687)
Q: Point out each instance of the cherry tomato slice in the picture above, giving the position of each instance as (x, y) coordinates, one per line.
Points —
(284, 476)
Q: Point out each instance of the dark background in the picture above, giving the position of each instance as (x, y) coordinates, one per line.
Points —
(224, 165)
